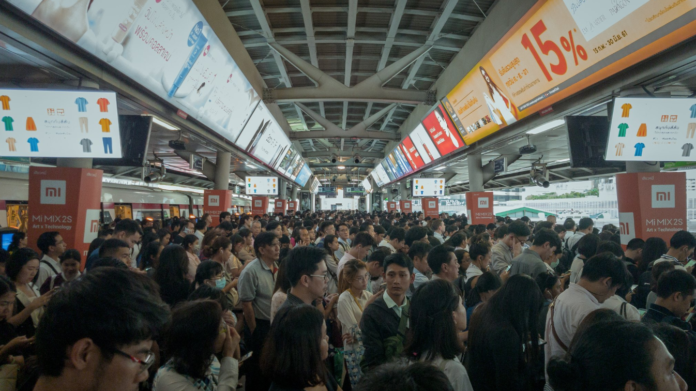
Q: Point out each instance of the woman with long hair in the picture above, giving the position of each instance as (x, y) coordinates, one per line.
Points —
(171, 275)
(149, 257)
(352, 283)
(247, 253)
(192, 245)
(196, 335)
(503, 346)
(331, 246)
(295, 349)
(220, 251)
(280, 290)
(19, 240)
(437, 316)
(164, 237)
(207, 240)
(29, 304)
(550, 286)
(486, 286)
(235, 265)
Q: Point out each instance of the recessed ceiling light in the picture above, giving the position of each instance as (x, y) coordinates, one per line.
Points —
(440, 168)
(547, 126)
(341, 167)
(163, 124)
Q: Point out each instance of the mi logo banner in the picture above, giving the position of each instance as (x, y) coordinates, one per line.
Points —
(213, 200)
(663, 196)
(52, 192)
(627, 227)
(91, 225)
(258, 204)
(483, 202)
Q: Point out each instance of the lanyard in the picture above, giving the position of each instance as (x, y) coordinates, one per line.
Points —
(355, 299)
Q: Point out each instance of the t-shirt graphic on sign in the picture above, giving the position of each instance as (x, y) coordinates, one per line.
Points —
(5, 102)
(31, 126)
(34, 143)
(103, 105)
(86, 145)
(622, 130)
(626, 110)
(619, 149)
(81, 104)
(8, 123)
(693, 111)
(11, 143)
(639, 149)
(642, 130)
(105, 125)
(687, 149)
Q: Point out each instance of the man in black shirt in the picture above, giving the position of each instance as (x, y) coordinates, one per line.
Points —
(675, 292)
(307, 272)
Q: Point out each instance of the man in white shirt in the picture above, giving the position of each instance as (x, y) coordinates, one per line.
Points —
(397, 238)
(438, 228)
(52, 247)
(601, 277)
(343, 240)
(200, 229)
(361, 247)
(681, 248)
(585, 226)
(419, 255)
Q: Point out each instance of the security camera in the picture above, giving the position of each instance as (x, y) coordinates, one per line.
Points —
(539, 180)
(539, 175)
(333, 160)
(155, 175)
(357, 159)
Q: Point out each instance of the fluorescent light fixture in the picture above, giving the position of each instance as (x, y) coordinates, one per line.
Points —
(164, 124)
(547, 126)
(562, 160)
(341, 167)
(441, 168)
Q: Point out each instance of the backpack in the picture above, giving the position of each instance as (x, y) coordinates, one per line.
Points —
(567, 258)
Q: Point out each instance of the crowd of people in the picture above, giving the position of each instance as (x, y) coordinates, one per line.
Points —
(340, 300)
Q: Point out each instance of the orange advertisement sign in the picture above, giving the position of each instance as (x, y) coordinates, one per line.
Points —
(216, 202)
(259, 205)
(391, 206)
(406, 206)
(479, 206)
(431, 207)
(279, 206)
(557, 49)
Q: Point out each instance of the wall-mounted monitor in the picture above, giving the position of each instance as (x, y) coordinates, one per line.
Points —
(262, 185)
(304, 175)
(367, 185)
(428, 187)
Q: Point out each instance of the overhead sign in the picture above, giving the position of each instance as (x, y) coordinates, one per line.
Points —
(428, 187)
(73, 124)
(367, 185)
(558, 48)
(262, 185)
(355, 191)
(652, 129)
(304, 175)
(196, 162)
(500, 165)
(327, 191)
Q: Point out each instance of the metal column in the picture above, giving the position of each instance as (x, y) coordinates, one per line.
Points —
(475, 173)
(222, 170)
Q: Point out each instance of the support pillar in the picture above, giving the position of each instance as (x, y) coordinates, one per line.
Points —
(74, 162)
(475, 173)
(479, 204)
(222, 170)
(282, 189)
(403, 191)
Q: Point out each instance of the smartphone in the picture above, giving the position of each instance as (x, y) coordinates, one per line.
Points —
(688, 317)
(642, 312)
(633, 287)
(691, 263)
(246, 357)
(507, 269)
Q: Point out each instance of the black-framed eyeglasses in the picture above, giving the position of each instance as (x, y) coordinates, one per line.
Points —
(144, 364)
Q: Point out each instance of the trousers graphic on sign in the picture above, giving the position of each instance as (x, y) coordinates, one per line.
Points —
(52, 192)
(214, 200)
(663, 196)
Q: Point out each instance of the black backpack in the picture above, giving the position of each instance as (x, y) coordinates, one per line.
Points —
(567, 258)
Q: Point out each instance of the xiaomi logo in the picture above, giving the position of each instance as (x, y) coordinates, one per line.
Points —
(258, 203)
(91, 225)
(663, 196)
(213, 200)
(52, 192)
(407, 205)
(279, 204)
(483, 202)
(431, 205)
(627, 227)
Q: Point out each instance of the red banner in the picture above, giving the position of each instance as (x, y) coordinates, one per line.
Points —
(391, 206)
(406, 206)
(66, 200)
(651, 204)
(259, 205)
(480, 207)
(431, 207)
(216, 202)
(279, 206)
(292, 206)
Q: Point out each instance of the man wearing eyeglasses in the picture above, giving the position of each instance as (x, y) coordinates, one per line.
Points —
(512, 237)
(97, 333)
(308, 274)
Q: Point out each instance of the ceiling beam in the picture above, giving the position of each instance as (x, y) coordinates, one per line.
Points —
(363, 41)
(380, 10)
(311, 42)
(342, 57)
(333, 131)
(350, 44)
(334, 165)
(266, 28)
(340, 73)
(339, 153)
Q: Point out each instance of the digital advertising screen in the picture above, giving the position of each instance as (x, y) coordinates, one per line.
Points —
(303, 176)
(428, 187)
(424, 145)
(367, 185)
(262, 185)
(60, 124)
(388, 170)
(442, 131)
(411, 153)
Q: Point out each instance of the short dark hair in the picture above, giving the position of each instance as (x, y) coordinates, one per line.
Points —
(419, 249)
(225, 226)
(610, 247)
(353, 230)
(682, 238)
(675, 281)
(262, 240)
(70, 254)
(365, 226)
(112, 307)
(635, 244)
(546, 235)
(397, 233)
(379, 230)
(224, 214)
(17, 261)
(302, 261)
(363, 239)
(107, 262)
(130, 227)
(190, 337)
(585, 223)
(605, 265)
(211, 293)
(200, 225)
(415, 233)
(569, 224)
(518, 228)
(244, 232)
(272, 225)
(587, 245)
(438, 256)
(46, 240)
(419, 376)
(189, 240)
(291, 356)
(399, 259)
(109, 246)
(207, 270)
(379, 255)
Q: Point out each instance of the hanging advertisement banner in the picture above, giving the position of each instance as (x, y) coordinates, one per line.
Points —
(279, 206)
(292, 206)
(216, 202)
(480, 207)
(431, 207)
(391, 206)
(259, 205)
(406, 206)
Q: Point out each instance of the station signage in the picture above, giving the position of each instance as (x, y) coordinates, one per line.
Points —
(59, 124)
(652, 129)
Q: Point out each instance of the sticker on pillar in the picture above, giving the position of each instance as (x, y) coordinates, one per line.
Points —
(52, 192)
(663, 196)
(258, 204)
(213, 200)
(627, 227)
(91, 225)
(483, 202)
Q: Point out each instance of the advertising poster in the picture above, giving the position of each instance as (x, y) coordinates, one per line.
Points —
(303, 176)
(165, 46)
(262, 185)
(72, 124)
(428, 187)
(558, 48)
(424, 145)
(442, 131)
(411, 153)
(386, 166)
(652, 129)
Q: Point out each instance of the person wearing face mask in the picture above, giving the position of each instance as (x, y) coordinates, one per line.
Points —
(601, 277)
(220, 251)
(209, 273)
(70, 270)
(192, 246)
(437, 316)
(196, 336)
(553, 260)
